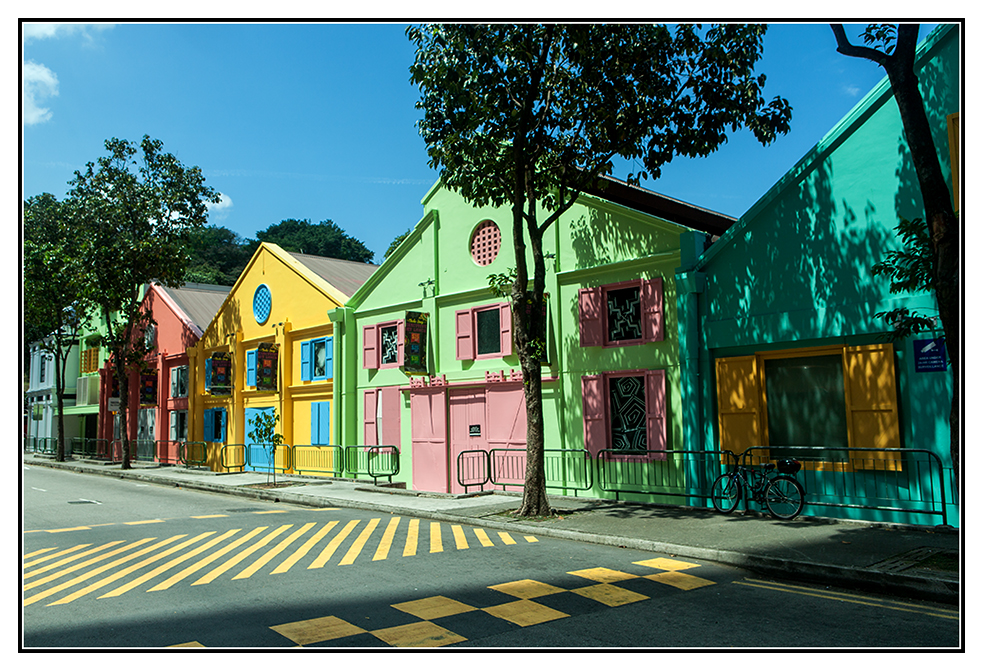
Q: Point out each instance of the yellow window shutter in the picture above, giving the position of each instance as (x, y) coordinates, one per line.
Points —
(739, 393)
(872, 406)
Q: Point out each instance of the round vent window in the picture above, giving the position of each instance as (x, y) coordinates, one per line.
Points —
(261, 304)
(485, 243)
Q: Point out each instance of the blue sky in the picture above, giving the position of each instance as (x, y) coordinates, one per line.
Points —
(316, 121)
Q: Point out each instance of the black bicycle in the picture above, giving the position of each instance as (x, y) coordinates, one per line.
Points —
(773, 485)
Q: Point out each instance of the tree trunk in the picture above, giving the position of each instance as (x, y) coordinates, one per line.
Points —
(943, 229)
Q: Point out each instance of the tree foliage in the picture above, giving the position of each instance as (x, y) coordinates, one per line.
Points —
(57, 286)
(531, 115)
(894, 49)
(217, 255)
(325, 239)
(137, 205)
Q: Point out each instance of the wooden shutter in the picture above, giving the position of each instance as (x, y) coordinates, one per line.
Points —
(208, 374)
(400, 338)
(505, 330)
(306, 369)
(590, 307)
(464, 335)
(221, 437)
(251, 368)
(652, 310)
(739, 396)
(872, 406)
(389, 402)
(330, 357)
(656, 412)
(369, 435)
(370, 347)
(593, 409)
(209, 429)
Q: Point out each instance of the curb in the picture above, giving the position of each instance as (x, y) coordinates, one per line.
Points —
(943, 590)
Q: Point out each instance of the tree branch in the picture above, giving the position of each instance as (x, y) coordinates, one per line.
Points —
(845, 47)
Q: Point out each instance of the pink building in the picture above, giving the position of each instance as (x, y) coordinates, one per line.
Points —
(157, 415)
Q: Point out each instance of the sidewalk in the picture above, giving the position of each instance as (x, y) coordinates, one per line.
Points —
(894, 560)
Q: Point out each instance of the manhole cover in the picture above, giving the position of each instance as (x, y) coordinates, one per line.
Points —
(84, 501)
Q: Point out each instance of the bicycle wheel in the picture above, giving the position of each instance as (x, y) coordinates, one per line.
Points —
(726, 492)
(784, 497)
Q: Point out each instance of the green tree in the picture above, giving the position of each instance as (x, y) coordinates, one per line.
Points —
(136, 204)
(264, 433)
(325, 239)
(217, 255)
(57, 286)
(895, 51)
(396, 243)
(530, 115)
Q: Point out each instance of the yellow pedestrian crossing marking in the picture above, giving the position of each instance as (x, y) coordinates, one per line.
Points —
(118, 567)
(420, 616)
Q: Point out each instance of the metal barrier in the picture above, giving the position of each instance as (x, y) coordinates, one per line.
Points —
(268, 457)
(75, 446)
(902, 480)
(683, 473)
(233, 456)
(193, 453)
(97, 448)
(473, 468)
(166, 451)
(320, 460)
(568, 469)
(143, 450)
(373, 461)
(44, 445)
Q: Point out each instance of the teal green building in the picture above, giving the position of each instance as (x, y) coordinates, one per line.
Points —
(781, 346)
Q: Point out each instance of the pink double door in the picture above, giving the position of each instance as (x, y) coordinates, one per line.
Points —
(453, 431)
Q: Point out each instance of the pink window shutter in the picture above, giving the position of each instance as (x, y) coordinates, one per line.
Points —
(590, 308)
(652, 310)
(656, 412)
(464, 335)
(389, 430)
(369, 434)
(370, 347)
(505, 329)
(400, 336)
(593, 405)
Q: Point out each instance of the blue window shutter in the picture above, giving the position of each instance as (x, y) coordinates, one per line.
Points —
(222, 426)
(315, 424)
(329, 357)
(325, 422)
(251, 368)
(208, 374)
(306, 360)
(209, 424)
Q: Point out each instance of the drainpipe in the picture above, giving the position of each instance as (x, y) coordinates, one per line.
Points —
(344, 377)
(690, 285)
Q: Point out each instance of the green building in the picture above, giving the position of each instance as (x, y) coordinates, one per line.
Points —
(425, 363)
(782, 346)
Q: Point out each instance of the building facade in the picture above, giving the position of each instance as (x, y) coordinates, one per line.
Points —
(269, 351)
(40, 400)
(157, 415)
(783, 343)
(426, 361)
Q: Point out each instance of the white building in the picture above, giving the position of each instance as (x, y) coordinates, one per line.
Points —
(41, 404)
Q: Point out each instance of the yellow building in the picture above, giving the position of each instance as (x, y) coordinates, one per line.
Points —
(269, 350)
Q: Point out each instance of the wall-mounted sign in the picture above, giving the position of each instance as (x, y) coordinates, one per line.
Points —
(930, 354)
(267, 355)
(219, 374)
(474, 430)
(415, 342)
(148, 389)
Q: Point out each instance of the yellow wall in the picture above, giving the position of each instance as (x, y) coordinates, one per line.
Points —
(299, 312)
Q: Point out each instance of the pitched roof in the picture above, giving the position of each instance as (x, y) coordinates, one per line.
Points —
(200, 302)
(346, 276)
(658, 205)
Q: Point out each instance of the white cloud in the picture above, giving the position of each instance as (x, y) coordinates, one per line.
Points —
(41, 31)
(39, 83)
(221, 209)
(852, 91)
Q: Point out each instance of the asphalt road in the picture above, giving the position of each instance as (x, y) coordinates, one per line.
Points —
(114, 563)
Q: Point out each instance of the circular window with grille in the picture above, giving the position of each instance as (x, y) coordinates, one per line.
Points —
(262, 301)
(485, 243)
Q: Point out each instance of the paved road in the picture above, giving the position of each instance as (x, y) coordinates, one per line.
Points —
(115, 563)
